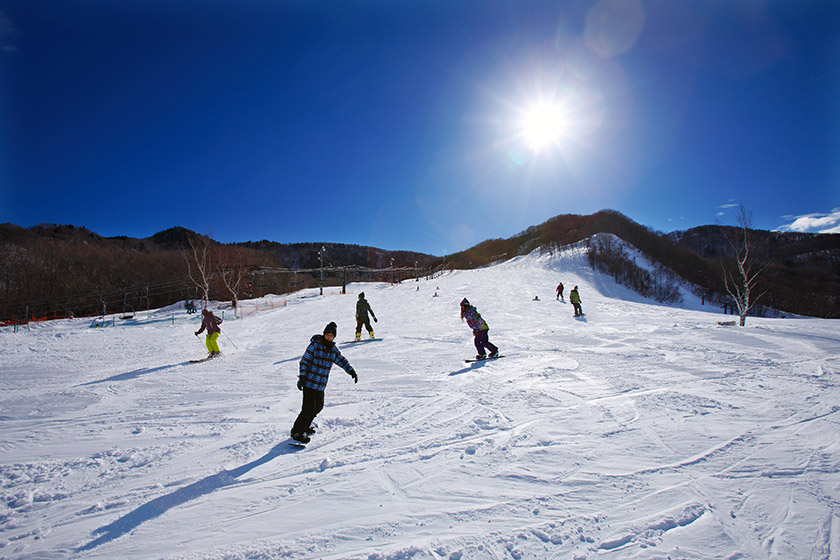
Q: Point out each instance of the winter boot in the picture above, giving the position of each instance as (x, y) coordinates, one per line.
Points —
(303, 438)
(480, 356)
(494, 354)
(358, 336)
(371, 334)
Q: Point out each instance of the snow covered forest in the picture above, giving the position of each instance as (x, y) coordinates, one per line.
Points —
(640, 431)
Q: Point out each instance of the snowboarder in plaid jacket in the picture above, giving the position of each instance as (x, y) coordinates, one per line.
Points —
(315, 367)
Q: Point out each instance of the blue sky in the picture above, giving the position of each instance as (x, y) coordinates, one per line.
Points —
(416, 125)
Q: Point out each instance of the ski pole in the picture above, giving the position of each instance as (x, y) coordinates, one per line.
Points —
(229, 340)
(202, 344)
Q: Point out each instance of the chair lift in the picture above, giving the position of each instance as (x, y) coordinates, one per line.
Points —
(126, 313)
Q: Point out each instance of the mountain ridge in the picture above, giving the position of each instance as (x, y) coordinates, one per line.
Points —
(803, 276)
(78, 265)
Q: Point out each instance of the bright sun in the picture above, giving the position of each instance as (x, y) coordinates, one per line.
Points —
(542, 126)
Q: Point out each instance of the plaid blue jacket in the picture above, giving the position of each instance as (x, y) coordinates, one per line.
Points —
(316, 363)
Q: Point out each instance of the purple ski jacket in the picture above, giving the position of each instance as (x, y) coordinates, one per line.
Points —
(211, 323)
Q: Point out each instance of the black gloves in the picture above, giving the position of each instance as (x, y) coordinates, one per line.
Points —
(355, 377)
(300, 384)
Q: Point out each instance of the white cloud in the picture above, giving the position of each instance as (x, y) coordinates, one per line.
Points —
(813, 223)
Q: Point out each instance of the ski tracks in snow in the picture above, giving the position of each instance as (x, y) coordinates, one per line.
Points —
(646, 432)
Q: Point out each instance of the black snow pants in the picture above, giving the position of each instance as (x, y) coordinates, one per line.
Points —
(313, 403)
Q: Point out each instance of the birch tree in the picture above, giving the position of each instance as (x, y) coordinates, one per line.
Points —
(741, 275)
(235, 266)
(200, 265)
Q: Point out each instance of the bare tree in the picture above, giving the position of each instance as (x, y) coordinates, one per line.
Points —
(741, 276)
(200, 265)
(234, 266)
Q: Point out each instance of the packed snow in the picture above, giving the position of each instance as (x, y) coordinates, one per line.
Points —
(639, 431)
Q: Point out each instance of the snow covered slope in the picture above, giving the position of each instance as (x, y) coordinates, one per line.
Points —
(639, 431)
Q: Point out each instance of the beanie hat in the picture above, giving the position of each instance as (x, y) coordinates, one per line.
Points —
(331, 328)
(361, 295)
(465, 302)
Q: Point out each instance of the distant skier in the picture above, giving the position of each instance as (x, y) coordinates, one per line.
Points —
(315, 366)
(559, 291)
(574, 297)
(211, 323)
(480, 331)
(362, 310)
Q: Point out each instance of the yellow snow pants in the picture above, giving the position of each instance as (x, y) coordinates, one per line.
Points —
(212, 345)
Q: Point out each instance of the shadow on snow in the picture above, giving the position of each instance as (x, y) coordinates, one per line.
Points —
(161, 505)
(471, 367)
(133, 374)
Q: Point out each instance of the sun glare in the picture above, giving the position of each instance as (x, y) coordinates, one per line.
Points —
(542, 126)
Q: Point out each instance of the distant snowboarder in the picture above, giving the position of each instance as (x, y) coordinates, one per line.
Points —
(574, 297)
(362, 310)
(315, 367)
(480, 331)
(559, 291)
(211, 323)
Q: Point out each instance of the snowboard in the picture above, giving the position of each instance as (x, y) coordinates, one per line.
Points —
(483, 359)
(362, 340)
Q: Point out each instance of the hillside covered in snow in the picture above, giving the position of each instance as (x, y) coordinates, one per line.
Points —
(639, 431)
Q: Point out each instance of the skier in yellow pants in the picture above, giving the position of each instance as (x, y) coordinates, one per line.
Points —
(211, 323)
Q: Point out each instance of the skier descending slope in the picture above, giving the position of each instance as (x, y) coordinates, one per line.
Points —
(211, 323)
(315, 366)
(480, 330)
